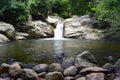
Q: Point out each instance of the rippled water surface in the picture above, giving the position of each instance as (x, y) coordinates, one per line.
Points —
(43, 50)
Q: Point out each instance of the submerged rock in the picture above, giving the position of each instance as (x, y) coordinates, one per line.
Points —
(67, 62)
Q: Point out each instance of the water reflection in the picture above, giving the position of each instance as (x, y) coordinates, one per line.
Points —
(58, 46)
(43, 50)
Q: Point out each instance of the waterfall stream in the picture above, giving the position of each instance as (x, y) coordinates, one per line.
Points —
(58, 32)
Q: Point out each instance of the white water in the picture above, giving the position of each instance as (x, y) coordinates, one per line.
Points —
(58, 32)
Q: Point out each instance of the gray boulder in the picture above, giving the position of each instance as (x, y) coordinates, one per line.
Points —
(54, 76)
(41, 68)
(85, 59)
(7, 29)
(3, 38)
(109, 67)
(36, 29)
(82, 27)
(70, 71)
(67, 62)
(29, 74)
(55, 67)
(117, 66)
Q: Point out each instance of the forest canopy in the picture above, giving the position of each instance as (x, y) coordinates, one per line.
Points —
(14, 11)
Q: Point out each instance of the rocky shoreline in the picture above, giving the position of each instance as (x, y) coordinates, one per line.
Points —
(82, 67)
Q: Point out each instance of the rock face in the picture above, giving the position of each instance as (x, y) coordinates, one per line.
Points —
(37, 29)
(7, 29)
(82, 27)
(53, 19)
(85, 59)
(54, 76)
(3, 38)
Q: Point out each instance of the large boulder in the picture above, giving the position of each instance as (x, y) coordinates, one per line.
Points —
(85, 59)
(36, 29)
(53, 20)
(82, 27)
(3, 38)
(7, 29)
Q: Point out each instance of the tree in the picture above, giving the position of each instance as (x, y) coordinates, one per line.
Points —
(109, 10)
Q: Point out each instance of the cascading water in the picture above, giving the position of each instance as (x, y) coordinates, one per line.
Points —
(58, 32)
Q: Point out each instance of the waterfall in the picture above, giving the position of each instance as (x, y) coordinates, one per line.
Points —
(58, 32)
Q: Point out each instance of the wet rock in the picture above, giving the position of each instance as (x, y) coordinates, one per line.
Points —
(117, 66)
(68, 78)
(15, 69)
(29, 74)
(3, 38)
(42, 74)
(81, 78)
(85, 59)
(89, 70)
(55, 67)
(67, 62)
(54, 76)
(41, 68)
(95, 76)
(109, 67)
(59, 57)
(70, 71)
(4, 68)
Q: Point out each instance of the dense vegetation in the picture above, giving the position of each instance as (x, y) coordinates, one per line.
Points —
(14, 11)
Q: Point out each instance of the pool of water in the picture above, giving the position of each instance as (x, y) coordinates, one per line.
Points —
(37, 51)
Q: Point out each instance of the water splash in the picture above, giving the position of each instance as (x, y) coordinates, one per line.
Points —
(58, 32)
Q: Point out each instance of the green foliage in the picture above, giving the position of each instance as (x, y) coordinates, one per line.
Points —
(13, 11)
(109, 10)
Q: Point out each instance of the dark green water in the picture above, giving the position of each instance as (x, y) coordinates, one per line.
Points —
(43, 50)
